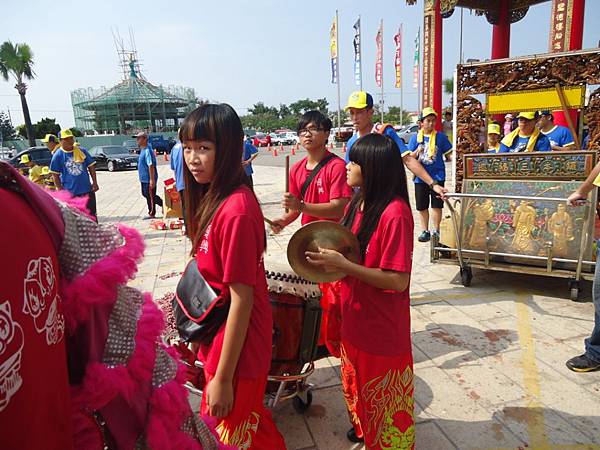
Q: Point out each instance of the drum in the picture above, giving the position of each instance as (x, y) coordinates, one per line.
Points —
(296, 320)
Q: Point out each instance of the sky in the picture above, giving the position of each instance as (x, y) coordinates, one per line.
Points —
(239, 52)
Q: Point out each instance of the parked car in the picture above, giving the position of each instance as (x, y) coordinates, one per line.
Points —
(131, 146)
(39, 155)
(261, 140)
(6, 153)
(280, 138)
(292, 136)
(159, 143)
(407, 133)
(113, 157)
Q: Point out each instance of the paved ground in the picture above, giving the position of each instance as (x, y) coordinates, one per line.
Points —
(489, 359)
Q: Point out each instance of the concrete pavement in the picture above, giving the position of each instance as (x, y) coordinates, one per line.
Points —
(489, 359)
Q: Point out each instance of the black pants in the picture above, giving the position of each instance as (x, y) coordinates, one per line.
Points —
(151, 198)
(90, 204)
(425, 195)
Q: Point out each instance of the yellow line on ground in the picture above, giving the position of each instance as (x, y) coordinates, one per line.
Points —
(531, 378)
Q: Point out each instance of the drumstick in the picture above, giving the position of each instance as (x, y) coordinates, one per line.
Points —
(287, 176)
(270, 222)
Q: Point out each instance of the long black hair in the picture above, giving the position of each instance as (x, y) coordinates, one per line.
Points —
(384, 179)
(221, 125)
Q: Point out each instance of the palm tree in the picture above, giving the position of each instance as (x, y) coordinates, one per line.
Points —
(17, 60)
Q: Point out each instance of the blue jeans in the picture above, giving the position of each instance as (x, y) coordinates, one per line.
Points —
(592, 344)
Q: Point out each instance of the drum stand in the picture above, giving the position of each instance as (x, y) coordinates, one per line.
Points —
(299, 391)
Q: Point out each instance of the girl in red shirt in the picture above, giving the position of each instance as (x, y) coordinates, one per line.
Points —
(377, 364)
(228, 235)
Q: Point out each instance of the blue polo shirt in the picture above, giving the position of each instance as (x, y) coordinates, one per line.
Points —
(249, 150)
(520, 145)
(177, 166)
(146, 159)
(559, 136)
(435, 165)
(73, 175)
(389, 131)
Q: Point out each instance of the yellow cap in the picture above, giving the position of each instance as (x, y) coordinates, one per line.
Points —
(45, 170)
(24, 159)
(49, 138)
(359, 100)
(493, 128)
(66, 133)
(529, 115)
(428, 112)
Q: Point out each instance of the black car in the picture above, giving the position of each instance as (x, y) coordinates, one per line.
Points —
(39, 155)
(113, 157)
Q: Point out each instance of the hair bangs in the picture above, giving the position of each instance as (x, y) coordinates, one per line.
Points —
(198, 126)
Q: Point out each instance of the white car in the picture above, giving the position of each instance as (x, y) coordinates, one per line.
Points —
(292, 137)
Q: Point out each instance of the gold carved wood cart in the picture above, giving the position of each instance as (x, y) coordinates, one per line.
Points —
(512, 216)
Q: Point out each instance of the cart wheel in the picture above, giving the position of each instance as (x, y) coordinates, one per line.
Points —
(466, 275)
(302, 404)
(574, 290)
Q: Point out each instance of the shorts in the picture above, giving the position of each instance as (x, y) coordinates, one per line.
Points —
(422, 195)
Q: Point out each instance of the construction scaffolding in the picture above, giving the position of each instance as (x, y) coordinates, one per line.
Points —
(133, 104)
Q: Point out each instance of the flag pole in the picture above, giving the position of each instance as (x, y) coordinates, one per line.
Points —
(382, 100)
(360, 51)
(337, 44)
(401, 82)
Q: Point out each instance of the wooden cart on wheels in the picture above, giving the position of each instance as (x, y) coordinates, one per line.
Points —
(512, 216)
(509, 212)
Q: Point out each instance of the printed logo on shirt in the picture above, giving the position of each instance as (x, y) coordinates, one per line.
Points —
(204, 244)
(73, 168)
(41, 300)
(424, 157)
(11, 347)
(320, 188)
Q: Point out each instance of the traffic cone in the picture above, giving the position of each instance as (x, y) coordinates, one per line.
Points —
(274, 151)
(281, 147)
(166, 156)
(293, 150)
(269, 148)
(344, 148)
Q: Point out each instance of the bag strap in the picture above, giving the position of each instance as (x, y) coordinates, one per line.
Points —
(314, 173)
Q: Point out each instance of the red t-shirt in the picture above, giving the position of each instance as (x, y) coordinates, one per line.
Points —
(35, 410)
(231, 251)
(329, 184)
(374, 320)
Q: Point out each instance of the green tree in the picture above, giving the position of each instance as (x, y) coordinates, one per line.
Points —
(7, 131)
(22, 130)
(17, 60)
(448, 86)
(46, 126)
(76, 132)
(393, 116)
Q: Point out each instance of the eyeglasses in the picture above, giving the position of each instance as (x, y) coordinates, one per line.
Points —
(309, 130)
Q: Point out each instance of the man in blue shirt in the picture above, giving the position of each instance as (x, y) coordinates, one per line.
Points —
(177, 167)
(148, 174)
(250, 154)
(560, 137)
(360, 108)
(526, 137)
(70, 166)
(430, 147)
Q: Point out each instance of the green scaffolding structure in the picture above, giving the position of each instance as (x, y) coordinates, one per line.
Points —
(133, 104)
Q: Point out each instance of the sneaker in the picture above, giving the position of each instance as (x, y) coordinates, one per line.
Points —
(352, 437)
(436, 234)
(583, 363)
(425, 236)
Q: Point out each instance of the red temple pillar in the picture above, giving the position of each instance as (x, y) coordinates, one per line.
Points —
(432, 58)
(566, 33)
(501, 32)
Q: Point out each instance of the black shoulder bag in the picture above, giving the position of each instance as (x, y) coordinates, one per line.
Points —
(314, 173)
(199, 309)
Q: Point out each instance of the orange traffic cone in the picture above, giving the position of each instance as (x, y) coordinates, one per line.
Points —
(166, 156)
(268, 147)
(281, 147)
(274, 151)
(293, 150)
(344, 148)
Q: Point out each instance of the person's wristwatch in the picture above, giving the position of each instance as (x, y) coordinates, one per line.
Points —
(433, 183)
